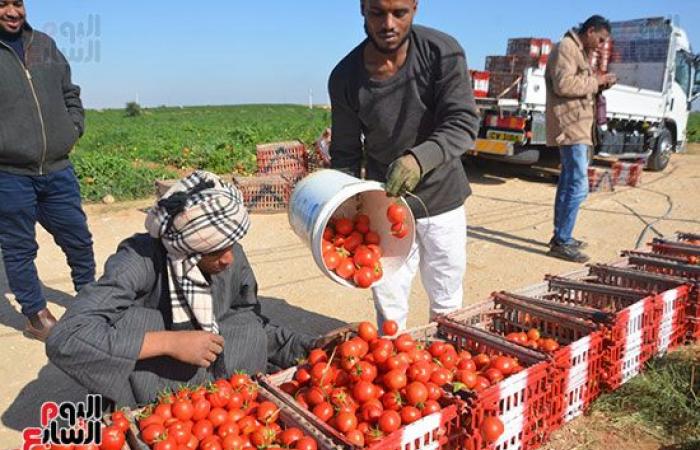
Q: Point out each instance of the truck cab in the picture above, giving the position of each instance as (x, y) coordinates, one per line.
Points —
(647, 110)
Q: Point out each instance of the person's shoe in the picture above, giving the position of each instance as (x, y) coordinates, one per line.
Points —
(581, 245)
(568, 253)
(39, 325)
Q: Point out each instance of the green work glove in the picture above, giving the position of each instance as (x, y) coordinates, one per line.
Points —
(403, 175)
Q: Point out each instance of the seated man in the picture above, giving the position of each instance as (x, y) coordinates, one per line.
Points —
(176, 305)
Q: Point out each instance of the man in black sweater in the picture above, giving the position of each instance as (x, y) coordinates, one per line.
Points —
(41, 118)
(402, 101)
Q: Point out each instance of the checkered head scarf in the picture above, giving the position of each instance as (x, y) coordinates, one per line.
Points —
(200, 214)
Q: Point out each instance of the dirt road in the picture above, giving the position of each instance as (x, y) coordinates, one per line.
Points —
(509, 225)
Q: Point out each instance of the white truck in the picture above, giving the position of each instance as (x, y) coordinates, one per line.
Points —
(648, 109)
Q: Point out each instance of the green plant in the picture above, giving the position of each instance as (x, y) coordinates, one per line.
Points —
(133, 109)
(666, 395)
(694, 127)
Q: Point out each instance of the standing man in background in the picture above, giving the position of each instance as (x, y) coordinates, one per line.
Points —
(42, 118)
(402, 101)
(571, 101)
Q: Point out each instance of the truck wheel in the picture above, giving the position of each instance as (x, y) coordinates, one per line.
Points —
(662, 152)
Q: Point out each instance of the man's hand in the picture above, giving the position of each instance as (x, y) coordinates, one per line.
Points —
(335, 337)
(403, 175)
(605, 81)
(199, 348)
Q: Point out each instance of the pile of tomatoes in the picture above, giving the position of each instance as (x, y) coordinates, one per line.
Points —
(226, 415)
(370, 386)
(534, 340)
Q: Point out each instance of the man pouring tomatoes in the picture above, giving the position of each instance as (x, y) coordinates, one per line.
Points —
(403, 107)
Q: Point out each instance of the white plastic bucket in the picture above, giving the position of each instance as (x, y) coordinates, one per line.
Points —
(330, 193)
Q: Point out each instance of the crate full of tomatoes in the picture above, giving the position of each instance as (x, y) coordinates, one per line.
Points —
(373, 391)
(229, 414)
(574, 345)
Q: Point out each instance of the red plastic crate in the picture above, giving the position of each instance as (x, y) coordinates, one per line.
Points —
(672, 301)
(480, 82)
(288, 159)
(578, 360)
(627, 314)
(264, 193)
(288, 418)
(521, 401)
(664, 264)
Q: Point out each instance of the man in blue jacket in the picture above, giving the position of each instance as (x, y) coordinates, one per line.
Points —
(42, 118)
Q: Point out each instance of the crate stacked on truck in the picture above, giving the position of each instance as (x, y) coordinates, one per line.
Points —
(647, 109)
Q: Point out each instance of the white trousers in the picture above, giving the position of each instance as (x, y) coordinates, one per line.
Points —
(440, 251)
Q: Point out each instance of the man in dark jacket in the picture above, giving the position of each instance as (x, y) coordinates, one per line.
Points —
(402, 101)
(41, 119)
(177, 305)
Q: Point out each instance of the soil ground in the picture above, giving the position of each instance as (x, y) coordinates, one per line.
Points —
(509, 225)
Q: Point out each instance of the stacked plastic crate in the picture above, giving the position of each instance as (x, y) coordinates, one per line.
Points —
(280, 166)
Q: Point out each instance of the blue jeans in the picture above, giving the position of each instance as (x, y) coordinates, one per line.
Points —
(54, 201)
(572, 190)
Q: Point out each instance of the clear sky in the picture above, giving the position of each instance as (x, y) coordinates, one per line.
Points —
(181, 52)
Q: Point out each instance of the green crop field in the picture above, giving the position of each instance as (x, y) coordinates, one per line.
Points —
(123, 156)
(694, 127)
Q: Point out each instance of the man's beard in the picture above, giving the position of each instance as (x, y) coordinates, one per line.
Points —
(386, 51)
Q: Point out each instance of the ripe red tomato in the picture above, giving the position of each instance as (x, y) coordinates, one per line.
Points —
(164, 410)
(396, 213)
(361, 227)
(328, 234)
(165, 444)
(367, 331)
(372, 238)
(482, 360)
(183, 409)
(392, 401)
(389, 421)
(389, 328)
(404, 343)
(267, 412)
(549, 345)
(481, 383)
(323, 411)
(395, 379)
(416, 393)
(364, 256)
(410, 414)
(448, 360)
(346, 268)
(227, 428)
(364, 391)
(343, 226)
(317, 355)
(321, 372)
(434, 391)
(364, 371)
(345, 422)
(331, 259)
(306, 443)
(491, 429)
(315, 395)
(419, 371)
(467, 378)
(467, 364)
(217, 416)
(533, 334)
(302, 375)
(232, 442)
(120, 421)
(362, 218)
(494, 375)
(441, 376)
(290, 436)
(364, 277)
(356, 437)
(112, 438)
(152, 432)
(202, 429)
(200, 409)
(399, 230)
(371, 410)
(263, 436)
(430, 407)
(504, 364)
(353, 241)
(437, 348)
